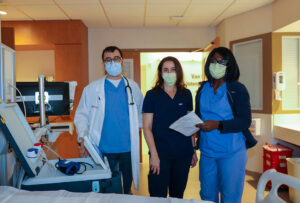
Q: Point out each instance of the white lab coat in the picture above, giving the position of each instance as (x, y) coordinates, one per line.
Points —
(90, 112)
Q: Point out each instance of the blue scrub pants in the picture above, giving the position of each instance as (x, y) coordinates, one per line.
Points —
(122, 162)
(224, 175)
(173, 176)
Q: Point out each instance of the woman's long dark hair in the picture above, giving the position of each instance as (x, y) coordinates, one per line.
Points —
(179, 73)
(232, 70)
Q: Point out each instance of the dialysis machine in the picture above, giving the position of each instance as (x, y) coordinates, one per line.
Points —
(37, 172)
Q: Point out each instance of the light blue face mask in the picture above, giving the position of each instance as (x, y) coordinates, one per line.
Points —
(113, 68)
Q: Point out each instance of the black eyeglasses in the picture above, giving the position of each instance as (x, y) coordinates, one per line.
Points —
(116, 59)
(222, 61)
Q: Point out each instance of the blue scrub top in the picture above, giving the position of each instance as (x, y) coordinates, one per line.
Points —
(216, 107)
(169, 143)
(115, 137)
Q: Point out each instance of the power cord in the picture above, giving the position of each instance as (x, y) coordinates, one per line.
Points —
(22, 98)
(53, 151)
(69, 167)
(57, 117)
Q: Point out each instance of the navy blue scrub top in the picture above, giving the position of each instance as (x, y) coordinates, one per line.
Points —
(169, 143)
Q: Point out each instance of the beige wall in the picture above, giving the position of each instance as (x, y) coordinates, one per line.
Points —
(255, 154)
(256, 22)
(29, 64)
(251, 23)
(285, 12)
(263, 20)
(143, 38)
(221, 32)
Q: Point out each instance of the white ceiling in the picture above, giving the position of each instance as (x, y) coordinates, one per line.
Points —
(130, 13)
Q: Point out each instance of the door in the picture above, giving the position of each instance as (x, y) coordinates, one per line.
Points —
(132, 70)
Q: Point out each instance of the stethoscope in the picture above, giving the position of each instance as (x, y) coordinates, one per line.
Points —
(130, 90)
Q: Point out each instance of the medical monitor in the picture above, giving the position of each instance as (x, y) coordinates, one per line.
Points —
(57, 98)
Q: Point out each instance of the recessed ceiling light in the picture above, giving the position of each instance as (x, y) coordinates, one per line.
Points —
(176, 17)
(3, 13)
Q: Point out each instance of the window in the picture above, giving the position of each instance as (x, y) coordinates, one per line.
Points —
(249, 58)
(291, 68)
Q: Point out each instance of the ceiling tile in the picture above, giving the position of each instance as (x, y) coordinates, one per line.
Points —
(92, 22)
(204, 14)
(209, 7)
(122, 2)
(91, 14)
(204, 10)
(238, 8)
(43, 12)
(127, 22)
(241, 7)
(165, 10)
(72, 2)
(13, 14)
(154, 21)
(169, 2)
(212, 2)
(255, 1)
(195, 21)
(28, 2)
(124, 11)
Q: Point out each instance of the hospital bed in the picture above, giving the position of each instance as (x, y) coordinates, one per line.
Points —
(13, 195)
(277, 179)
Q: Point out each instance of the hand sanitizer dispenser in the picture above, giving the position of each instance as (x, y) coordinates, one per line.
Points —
(278, 84)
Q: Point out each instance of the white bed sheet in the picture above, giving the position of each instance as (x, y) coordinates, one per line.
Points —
(13, 195)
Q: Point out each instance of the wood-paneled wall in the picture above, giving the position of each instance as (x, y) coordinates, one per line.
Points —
(8, 37)
(69, 39)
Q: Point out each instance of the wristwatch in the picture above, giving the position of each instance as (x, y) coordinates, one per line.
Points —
(220, 126)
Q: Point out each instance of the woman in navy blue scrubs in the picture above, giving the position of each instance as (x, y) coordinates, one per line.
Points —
(224, 106)
(171, 153)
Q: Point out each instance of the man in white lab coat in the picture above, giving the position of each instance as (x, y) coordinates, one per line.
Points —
(109, 113)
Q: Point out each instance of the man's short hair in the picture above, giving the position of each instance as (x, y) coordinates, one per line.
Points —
(111, 49)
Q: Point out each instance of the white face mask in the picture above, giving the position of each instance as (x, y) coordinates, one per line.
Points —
(169, 78)
(217, 70)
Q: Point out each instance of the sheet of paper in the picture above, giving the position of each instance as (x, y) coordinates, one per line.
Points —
(186, 124)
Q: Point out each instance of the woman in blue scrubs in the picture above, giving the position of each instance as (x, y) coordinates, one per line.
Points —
(171, 153)
(224, 106)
